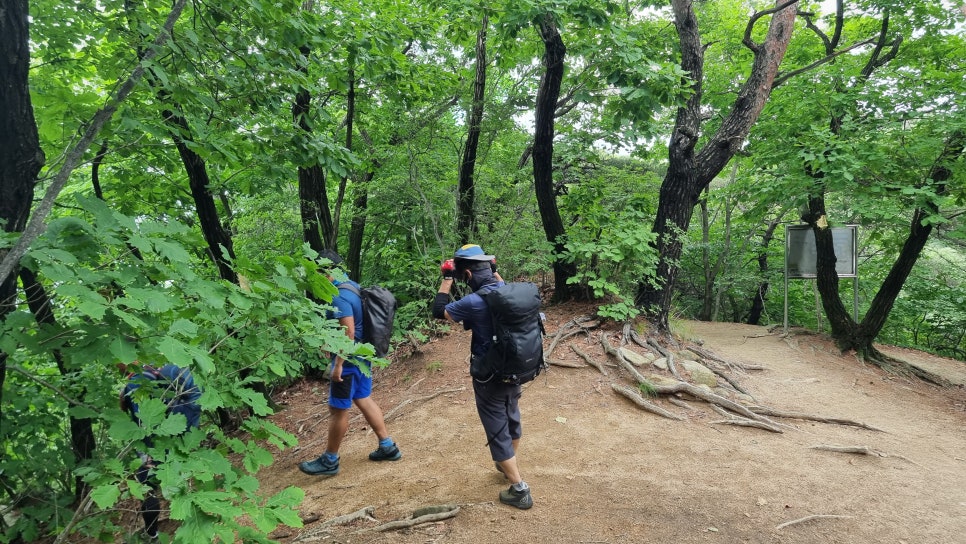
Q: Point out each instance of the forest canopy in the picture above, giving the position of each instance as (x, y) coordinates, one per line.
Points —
(171, 172)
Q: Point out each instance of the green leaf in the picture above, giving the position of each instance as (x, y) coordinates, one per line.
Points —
(105, 496)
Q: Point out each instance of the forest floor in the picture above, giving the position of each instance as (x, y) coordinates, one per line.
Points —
(602, 470)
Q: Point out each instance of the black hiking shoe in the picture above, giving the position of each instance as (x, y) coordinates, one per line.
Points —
(320, 467)
(518, 499)
(390, 453)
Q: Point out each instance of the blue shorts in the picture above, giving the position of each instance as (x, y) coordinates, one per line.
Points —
(354, 385)
(497, 405)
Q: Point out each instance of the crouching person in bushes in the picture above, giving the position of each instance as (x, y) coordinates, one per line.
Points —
(176, 388)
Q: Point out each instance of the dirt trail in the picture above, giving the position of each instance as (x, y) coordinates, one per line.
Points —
(603, 471)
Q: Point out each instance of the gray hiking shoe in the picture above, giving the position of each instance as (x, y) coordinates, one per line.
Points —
(391, 453)
(518, 499)
(320, 467)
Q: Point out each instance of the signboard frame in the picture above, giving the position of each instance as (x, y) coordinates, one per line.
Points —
(801, 258)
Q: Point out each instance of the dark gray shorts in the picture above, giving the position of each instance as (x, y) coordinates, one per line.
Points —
(497, 405)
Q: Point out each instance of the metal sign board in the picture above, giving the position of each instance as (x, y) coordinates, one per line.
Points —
(801, 256)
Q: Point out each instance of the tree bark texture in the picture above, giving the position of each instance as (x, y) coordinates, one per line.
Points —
(317, 227)
(690, 170)
(220, 246)
(547, 95)
(466, 217)
(21, 157)
(758, 304)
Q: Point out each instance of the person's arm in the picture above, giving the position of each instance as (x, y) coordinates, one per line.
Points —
(448, 269)
(349, 325)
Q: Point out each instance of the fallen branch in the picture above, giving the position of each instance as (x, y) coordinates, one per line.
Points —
(639, 400)
(588, 359)
(761, 410)
(437, 513)
(810, 518)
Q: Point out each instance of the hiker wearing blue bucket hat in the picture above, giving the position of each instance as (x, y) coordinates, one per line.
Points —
(497, 403)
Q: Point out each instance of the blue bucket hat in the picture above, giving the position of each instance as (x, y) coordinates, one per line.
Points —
(472, 252)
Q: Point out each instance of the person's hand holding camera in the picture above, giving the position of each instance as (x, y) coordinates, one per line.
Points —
(448, 269)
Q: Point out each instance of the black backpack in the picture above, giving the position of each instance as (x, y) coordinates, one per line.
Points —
(516, 354)
(378, 313)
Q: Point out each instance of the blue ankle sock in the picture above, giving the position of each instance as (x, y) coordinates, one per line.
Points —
(331, 457)
(386, 442)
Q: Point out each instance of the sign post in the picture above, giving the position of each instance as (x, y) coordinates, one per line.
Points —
(801, 258)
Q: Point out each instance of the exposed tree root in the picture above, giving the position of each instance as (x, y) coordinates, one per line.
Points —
(742, 421)
(423, 515)
(639, 400)
(321, 532)
(902, 368)
(761, 410)
(565, 364)
(589, 359)
(392, 413)
(577, 325)
(667, 355)
(810, 518)
(690, 389)
(860, 450)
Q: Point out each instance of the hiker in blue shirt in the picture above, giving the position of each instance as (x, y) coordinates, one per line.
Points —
(349, 384)
(497, 402)
(176, 387)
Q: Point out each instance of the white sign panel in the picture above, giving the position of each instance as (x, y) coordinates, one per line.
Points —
(801, 256)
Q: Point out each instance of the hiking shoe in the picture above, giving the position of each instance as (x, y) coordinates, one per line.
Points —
(518, 499)
(390, 453)
(320, 467)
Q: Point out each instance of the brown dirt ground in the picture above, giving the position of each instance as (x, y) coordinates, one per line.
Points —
(603, 471)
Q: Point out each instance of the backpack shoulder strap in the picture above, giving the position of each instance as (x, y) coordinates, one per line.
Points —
(350, 288)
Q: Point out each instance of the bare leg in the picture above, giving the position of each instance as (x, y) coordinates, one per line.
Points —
(338, 426)
(511, 470)
(373, 414)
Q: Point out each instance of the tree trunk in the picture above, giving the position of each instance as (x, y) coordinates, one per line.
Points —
(220, 246)
(849, 335)
(20, 155)
(317, 227)
(466, 216)
(547, 95)
(82, 439)
(689, 172)
(758, 304)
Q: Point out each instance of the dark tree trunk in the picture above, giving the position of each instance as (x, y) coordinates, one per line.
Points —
(758, 304)
(82, 439)
(690, 171)
(357, 228)
(547, 95)
(466, 217)
(860, 336)
(317, 227)
(20, 155)
(220, 246)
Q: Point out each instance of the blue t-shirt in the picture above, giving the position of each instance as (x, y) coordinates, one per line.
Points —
(346, 304)
(472, 312)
